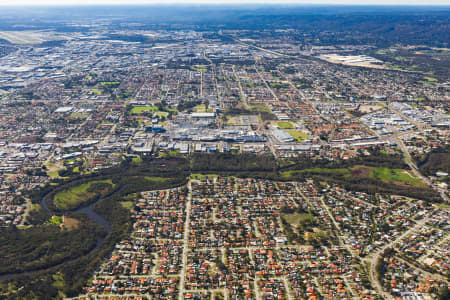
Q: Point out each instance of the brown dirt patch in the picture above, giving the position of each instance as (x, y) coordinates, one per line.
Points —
(361, 172)
(70, 223)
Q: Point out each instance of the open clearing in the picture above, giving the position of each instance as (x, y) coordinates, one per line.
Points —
(201, 176)
(30, 37)
(397, 176)
(199, 68)
(137, 110)
(354, 60)
(243, 120)
(53, 169)
(201, 108)
(70, 223)
(297, 218)
(298, 135)
(76, 196)
(157, 179)
(127, 204)
(369, 108)
(285, 125)
(137, 160)
(259, 107)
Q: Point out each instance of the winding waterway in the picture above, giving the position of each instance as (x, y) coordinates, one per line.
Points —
(91, 214)
(87, 210)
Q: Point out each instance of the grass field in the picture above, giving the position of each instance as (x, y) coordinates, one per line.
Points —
(199, 68)
(136, 160)
(276, 84)
(300, 136)
(200, 176)
(296, 218)
(127, 204)
(285, 125)
(157, 179)
(77, 116)
(259, 107)
(97, 92)
(52, 169)
(53, 174)
(396, 175)
(76, 196)
(109, 83)
(202, 108)
(162, 114)
(137, 110)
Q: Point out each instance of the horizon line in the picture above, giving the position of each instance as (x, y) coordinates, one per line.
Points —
(220, 3)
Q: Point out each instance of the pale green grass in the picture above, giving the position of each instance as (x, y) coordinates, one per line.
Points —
(137, 110)
(199, 68)
(127, 204)
(53, 174)
(200, 176)
(296, 218)
(396, 175)
(136, 160)
(109, 83)
(77, 195)
(298, 135)
(259, 107)
(157, 179)
(285, 125)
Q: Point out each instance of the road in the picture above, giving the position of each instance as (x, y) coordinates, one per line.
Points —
(354, 296)
(266, 84)
(297, 56)
(416, 172)
(338, 229)
(377, 255)
(185, 241)
(408, 157)
(428, 274)
(241, 90)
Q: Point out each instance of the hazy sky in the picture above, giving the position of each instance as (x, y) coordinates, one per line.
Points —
(88, 2)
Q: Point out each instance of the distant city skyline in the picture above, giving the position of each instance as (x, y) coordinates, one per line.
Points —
(143, 2)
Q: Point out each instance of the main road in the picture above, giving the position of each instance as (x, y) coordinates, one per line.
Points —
(377, 255)
(185, 241)
(415, 170)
